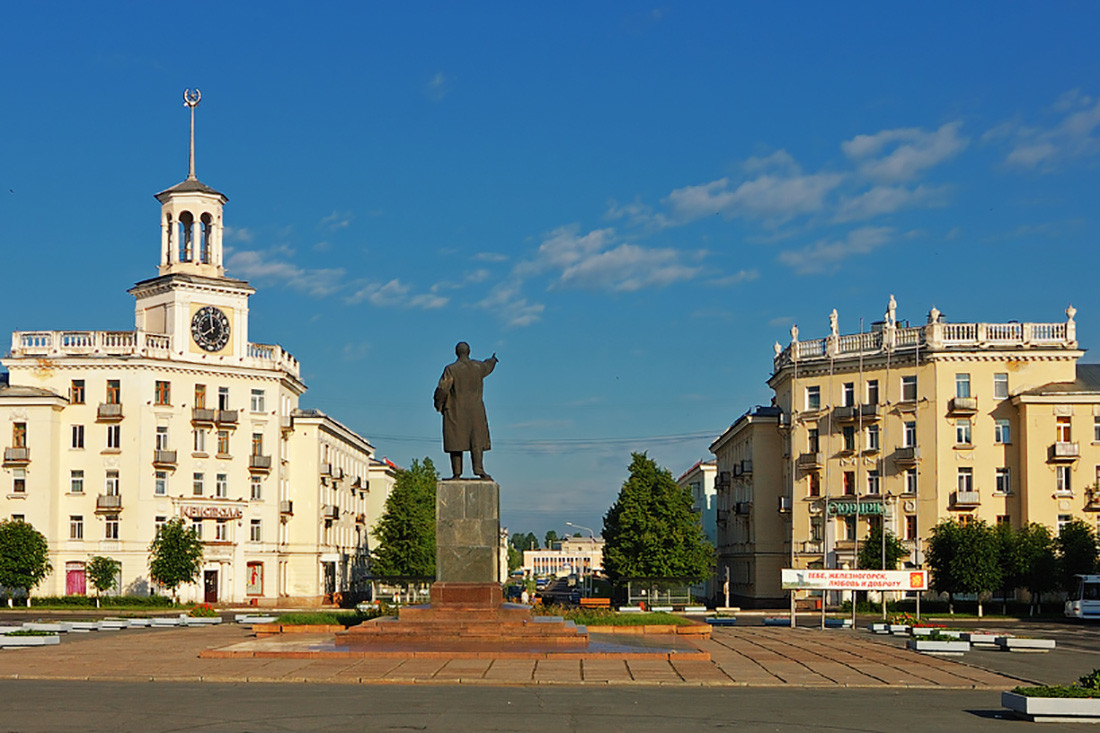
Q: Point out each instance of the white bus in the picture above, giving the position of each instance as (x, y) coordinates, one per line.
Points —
(1084, 602)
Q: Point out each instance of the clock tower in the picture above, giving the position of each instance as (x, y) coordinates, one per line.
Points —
(203, 313)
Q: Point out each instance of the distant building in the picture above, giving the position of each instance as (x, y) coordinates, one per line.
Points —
(573, 555)
(699, 480)
(110, 434)
(909, 425)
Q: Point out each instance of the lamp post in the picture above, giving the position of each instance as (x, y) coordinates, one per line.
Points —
(585, 576)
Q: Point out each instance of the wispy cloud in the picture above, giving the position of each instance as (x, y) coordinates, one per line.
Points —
(274, 266)
(395, 294)
(825, 256)
(438, 87)
(881, 200)
(903, 153)
(775, 195)
(1076, 134)
(237, 234)
(490, 257)
(337, 220)
(741, 276)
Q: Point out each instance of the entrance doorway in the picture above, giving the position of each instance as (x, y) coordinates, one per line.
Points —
(75, 579)
(210, 586)
(329, 569)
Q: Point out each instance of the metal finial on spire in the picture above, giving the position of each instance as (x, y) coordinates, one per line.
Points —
(192, 99)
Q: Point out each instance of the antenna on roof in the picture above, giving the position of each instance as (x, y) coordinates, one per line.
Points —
(192, 99)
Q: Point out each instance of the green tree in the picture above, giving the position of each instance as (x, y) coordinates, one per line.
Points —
(943, 547)
(963, 559)
(870, 550)
(175, 555)
(24, 557)
(551, 538)
(1076, 547)
(406, 531)
(1010, 559)
(515, 559)
(651, 531)
(103, 574)
(523, 541)
(1038, 562)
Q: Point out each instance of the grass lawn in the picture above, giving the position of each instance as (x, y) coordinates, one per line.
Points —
(604, 617)
(327, 618)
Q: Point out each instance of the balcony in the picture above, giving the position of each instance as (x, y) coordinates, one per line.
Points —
(963, 405)
(812, 547)
(808, 461)
(1064, 452)
(723, 480)
(259, 463)
(855, 413)
(742, 507)
(326, 469)
(109, 412)
(226, 417)
(286, 423)
(286, 507)
(746, 467)
(906, 456)
(330, 511)
(1092, 501)
(108, 503)
(17, 456)
(164, 458)
(202, 416)
(966, 499)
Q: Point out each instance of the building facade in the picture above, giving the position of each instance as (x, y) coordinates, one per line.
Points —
(573, 555)
(912, 425)
(111, 434)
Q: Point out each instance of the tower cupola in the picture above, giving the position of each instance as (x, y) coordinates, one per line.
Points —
(191, 218)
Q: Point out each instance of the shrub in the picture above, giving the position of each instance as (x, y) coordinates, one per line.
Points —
(106, 601)
(1087, 686)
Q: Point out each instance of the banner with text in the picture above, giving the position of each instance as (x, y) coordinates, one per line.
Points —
(826, 579)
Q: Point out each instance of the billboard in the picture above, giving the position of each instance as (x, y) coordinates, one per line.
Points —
(835, 579)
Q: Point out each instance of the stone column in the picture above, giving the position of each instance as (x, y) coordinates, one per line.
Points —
(467, 544)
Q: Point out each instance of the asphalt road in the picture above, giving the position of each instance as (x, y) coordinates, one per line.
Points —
(142, 706)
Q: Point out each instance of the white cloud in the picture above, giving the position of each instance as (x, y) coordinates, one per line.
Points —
(825, 255)
(438, 87)
(879, 200)
(627, 268)
(395, 294)
(1075, 135)
(491, 257)
(257, 265)
(237, 234)
(770, 195)
(741, 276)
(900, 154)
(507, 302)
(337, 220)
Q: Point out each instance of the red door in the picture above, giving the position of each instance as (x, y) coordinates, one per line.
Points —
(210, 586)
(75, 583)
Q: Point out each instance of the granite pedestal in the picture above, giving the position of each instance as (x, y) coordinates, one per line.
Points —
(466, 602)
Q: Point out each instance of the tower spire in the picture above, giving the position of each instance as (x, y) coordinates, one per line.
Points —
(192, 99)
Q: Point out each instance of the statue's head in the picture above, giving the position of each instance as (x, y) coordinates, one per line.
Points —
(462, 349)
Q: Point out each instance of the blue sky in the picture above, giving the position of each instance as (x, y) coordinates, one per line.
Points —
(627, 203)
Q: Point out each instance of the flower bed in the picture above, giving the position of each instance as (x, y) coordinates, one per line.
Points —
(1078, 703)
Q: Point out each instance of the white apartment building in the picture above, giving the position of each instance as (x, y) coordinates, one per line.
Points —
(109, 434)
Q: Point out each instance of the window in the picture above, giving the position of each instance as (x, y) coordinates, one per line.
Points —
(1062, 475)
(18, 518)
(76, 481)
(910, 480)
(257, 489)
(849, 434)
(909, 389)
(162, 437)
(1001, 431)
(909, 435)
(257, 403)
(223, 442)
(110, 485)
(872, 437)
(200, 396)
(19, 435)
(848, 394)
(872, 482)
(1004, 519)
(78, 436)
(850, 482)
(158, 522)
(966, 479)
(198, 435)
(160, 485)
(1062, 429)
(76, 392)
(257, 444)
(221, 486)
(19, 481)
(110, 527)
(1000, 385)
(196, 524)
(911, 526)
(1063, 520)
(849, 528)
(114, 391)
(163, 393)
(1002, 481)
(255, 531)
(962, 385)
(816, 530)
(114, 437)
(815, 484)
(813, 398)
(1096, 429)
(76, 526)
(872, 392)
(962, 432)
(196, 483)
(814, 440)
(223, 398)
(221, 530)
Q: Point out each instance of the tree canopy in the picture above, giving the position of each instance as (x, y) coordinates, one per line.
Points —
(406, 531)
(1076, 546)
(651, 531)
(175, 555)
(964, 558)
(24, 556)
(102, 572)
(871, 550)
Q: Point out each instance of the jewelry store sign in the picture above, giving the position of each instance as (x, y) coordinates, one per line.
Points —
(826, 579)
(198, 511)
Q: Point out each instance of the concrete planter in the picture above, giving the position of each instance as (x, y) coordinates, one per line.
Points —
(879, 628)
(930, 646)
(987, 641)
(53, 628)
(838, 623)
(167, 621)
(900, 629)
(252, 619)
(1052, 709)
(113, 624)
(8, 641)
(1019, 644)
(83, 627)
(138, 623)
(721, 621)
(201, 620)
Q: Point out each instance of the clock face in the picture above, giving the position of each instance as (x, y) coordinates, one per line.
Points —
(210, 328)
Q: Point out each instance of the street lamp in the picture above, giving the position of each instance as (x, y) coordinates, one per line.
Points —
(586, 575)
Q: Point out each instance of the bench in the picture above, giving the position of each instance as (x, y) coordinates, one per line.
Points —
(595, 603)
